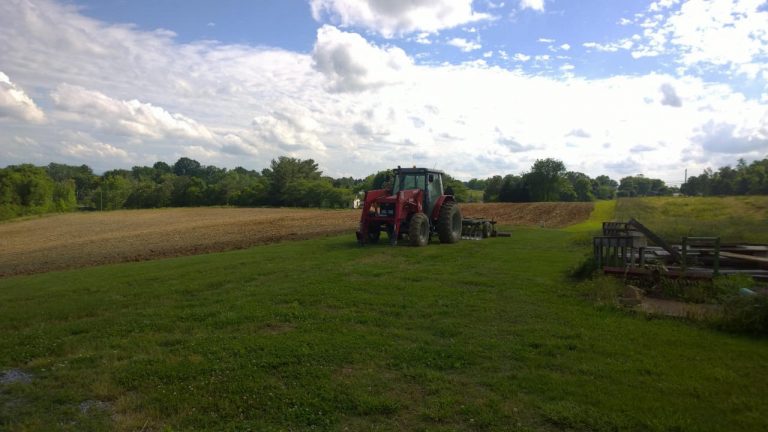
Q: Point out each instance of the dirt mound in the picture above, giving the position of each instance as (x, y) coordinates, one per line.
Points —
(548, 214)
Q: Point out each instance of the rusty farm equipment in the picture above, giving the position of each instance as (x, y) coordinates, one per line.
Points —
(624, 250)
(416, 206)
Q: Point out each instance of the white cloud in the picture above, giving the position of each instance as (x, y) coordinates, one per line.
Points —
(546, 40)
(14, 103)
(292, 126)
(133, 118)
(732, 139)
(670, 96)
(625, 44)
(391, 18)
(464, 44)
(729, 33)
(578, 133)
(351, 64)
(83, 146)
(423, 38)
(565, 47)
(521, 57)
(537, 5)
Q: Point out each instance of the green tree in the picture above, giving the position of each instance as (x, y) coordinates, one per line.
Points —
(187, 167)
(492, 189)
(545, 179)
(603, 187)
(283, 172)
(513, 189)
(581, 185)
(63, 196)
(114, 191)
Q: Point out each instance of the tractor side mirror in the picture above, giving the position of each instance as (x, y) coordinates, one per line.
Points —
(431, 178)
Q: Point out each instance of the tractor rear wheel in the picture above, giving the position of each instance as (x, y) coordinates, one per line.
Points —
(449, 223)
(418, 230)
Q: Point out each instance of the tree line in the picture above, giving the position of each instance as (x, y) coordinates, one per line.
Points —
(745, 179)
(548, 180)
(27, 189)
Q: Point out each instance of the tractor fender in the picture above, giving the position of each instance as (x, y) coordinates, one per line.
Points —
(439, 205)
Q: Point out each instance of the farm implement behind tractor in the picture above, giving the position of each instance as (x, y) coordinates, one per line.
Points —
(417, 206)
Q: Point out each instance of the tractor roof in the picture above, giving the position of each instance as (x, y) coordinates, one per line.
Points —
(417, 171)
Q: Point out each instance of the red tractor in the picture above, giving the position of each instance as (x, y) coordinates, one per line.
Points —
(414, 205)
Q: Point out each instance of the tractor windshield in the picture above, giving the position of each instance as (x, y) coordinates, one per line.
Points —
(409, 181)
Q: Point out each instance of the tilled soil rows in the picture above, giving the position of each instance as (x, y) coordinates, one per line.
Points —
(84, 239)
(542, 214)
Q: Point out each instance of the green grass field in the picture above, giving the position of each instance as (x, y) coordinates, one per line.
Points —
(734, 219)
(325, 335)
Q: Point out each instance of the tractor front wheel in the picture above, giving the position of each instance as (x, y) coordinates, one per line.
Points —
(374, 232)
(449, 223)
(418, 231)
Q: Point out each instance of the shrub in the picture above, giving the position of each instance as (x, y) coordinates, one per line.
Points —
(746, 314)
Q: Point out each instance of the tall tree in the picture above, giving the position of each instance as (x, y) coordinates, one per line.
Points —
(286, 170)
(545, 179)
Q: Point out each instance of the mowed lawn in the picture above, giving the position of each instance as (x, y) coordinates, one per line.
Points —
(325, 335)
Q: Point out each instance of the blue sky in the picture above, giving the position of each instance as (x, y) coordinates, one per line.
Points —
(476, 88)
(289, 25)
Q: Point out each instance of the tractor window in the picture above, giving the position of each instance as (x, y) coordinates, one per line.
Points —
(409, 181)
(435, 189)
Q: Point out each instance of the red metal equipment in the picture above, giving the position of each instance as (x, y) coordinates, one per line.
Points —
(415, 205)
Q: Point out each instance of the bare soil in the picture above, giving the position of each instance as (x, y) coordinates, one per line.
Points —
(542, 214)
(83, 239)
(74, 240)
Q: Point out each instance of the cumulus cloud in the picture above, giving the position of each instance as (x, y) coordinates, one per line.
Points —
(351, 64)
(729, 138)
(732, 33)
(391, 18)
(291, 126)
(537, 5)
(641, 148)
(125, 117)
(624, 44)
(670, 96)
(82, 149)
(513, 146)
(578, 133)
(14, 102)
(464, 45)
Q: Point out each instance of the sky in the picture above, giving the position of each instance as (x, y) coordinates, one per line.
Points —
(475, 88)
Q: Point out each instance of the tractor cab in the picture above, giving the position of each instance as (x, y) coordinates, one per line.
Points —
(429, 181)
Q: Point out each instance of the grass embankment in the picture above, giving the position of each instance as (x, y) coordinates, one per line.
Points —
(733, 219)
(322, 334)
(604, 211)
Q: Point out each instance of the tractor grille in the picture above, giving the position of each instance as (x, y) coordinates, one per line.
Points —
(387, 209)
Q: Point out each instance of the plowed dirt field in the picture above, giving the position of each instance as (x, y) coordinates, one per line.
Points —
(83, 239)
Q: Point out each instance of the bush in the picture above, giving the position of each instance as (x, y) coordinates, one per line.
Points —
(747, 314)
